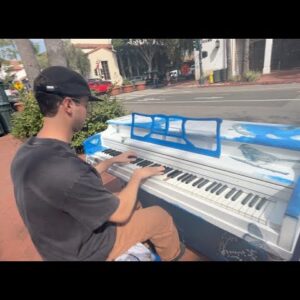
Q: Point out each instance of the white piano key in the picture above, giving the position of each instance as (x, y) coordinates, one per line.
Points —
(236, 205)
(223, 201)
(219, 199)
(263, 217)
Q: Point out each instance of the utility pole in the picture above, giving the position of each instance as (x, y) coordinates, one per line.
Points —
(201, 81)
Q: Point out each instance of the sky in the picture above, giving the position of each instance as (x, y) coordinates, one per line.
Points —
(41, 44)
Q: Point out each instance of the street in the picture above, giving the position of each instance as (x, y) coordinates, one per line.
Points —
(279, 103)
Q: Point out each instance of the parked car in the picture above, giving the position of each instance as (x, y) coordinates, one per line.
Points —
(5, 111)
(99, 86)
(137, 79)
(149, 77)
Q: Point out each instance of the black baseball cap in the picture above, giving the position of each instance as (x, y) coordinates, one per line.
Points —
(62, 81)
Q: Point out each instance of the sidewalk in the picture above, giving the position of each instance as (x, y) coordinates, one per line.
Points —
(15, 242)
(278, 77)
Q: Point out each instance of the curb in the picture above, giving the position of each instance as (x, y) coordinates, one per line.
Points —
(240, 84)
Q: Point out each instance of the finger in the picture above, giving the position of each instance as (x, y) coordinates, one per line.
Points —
(130, 153)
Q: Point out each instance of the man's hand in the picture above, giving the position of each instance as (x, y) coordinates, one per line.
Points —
(147, 172)
(125, 157)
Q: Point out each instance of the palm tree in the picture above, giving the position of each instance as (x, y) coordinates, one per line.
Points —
(246, 56)
(229, 59)
(29, 60)
(56, 52)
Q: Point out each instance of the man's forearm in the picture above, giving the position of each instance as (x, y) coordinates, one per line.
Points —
(127, 198)
(104, 165)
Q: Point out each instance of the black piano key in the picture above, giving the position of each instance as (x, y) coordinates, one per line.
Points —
(221, 190)
(177, 174)
(230, 193)
(167, 170)
(247, 198)
(148, 163)
(200, 185)
(141, 162)
(253, 201)
(261, 203)
(186, 178)
(197, 181)
(216, 187)
(211, 186)
(114, 153)
(182, 176)
(238, 193)
(108, 151)
(155, 165)
(190, 179)
(137, 161)
(173, 173)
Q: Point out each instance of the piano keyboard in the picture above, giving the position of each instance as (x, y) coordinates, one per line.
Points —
(248, 204)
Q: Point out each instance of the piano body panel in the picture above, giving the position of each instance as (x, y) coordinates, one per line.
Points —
(260, 159)
(204, 237)
(212, 217)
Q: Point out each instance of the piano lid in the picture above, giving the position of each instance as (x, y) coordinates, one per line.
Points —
(266, 134)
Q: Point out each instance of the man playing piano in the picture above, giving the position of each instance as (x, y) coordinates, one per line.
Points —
(69, 214)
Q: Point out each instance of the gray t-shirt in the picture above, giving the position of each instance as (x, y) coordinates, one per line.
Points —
(63, 202)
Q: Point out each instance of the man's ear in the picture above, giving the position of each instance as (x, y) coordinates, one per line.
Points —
(67, 105)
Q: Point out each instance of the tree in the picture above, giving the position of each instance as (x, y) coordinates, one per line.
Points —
(246, 56)
(147, 48)
(229, 58)
(120, 47)
(29, 60)
(56, 52)
(7, 49)
(76, 59)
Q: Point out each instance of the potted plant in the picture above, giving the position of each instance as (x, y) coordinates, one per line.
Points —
(127, 86)
(114, 90)
(140, 85)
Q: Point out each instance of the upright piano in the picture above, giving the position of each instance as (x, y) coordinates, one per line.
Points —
(232, 187)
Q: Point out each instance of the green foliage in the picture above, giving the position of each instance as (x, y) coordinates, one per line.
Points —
(77, 60)
(127, 82)
(7, 49)
(28, 122)
(43, 60)
(110, 108)
(251, 76)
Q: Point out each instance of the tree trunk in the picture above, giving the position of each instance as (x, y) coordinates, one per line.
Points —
(246, 56)
(121, 65)
(137, 70)
(229, 59)
(56, 52)
(28, 58)
(149, 63)
(129, 65)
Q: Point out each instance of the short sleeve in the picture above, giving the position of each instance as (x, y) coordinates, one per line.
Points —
(89, 201)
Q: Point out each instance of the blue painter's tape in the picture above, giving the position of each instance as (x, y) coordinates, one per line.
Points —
(93, 144)
(293, 209)
(281, 180)
(160, 125)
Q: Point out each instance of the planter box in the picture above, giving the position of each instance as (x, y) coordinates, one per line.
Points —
(128, 88)
(116, 91)
(19, 106)
(140, 86)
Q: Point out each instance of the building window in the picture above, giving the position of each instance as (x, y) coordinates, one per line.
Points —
(105, 70)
